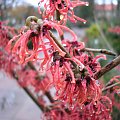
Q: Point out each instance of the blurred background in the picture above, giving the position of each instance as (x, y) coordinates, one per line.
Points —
(101, 31)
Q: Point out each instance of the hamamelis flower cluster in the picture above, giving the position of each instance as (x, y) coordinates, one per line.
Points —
(41, 41)
(114, 91)
(4, 37)
(89, 111)
(62, 7)
(72, 82)
(75, 85)
(68, 67)
(21, 72)
(5, 58)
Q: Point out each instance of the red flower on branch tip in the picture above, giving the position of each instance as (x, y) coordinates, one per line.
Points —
(42, 43)
(96, 110)
(65, 9)
(74, 86)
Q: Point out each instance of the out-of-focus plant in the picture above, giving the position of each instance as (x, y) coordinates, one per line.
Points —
(113, 34)
(115, 30)
(92, 32)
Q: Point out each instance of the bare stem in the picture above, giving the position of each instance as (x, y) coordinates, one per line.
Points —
(26, 89)
(62, 48)
(57, 15)
(30, 94)
(107, 67)
(111, 86)
(58, 19)
(46, 93)
(33, 68)
(104, 51)
(59, 44)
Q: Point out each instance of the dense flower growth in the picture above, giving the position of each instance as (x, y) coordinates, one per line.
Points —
(114, 92)
(4, 37)
(73, 77)
(64, 8)
(41, 41)
(89, 111)
(72, 84)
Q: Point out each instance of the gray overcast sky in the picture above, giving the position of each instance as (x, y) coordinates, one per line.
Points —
(35, 2)
(107, 1)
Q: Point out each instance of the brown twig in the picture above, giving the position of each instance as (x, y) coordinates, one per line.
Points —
(30, 94)
(33, 68)
(107, 68)
(100, 73)
(30, 64)
(104, 51)
(111, 86)
(58, 19)
(62, 48)
(57, 15)
(59, 44)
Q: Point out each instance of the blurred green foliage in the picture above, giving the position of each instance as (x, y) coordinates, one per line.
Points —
(114, 40)
(92, 32)
(95, 41)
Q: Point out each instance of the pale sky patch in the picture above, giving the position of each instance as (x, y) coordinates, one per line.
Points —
(35, 2)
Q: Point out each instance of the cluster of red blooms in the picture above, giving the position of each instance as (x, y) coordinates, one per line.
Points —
(4, 37)
(88, 111)
(5, 59)
(114, 91)
(10, 63)
(74, 85)
(41, 41)
(115, 30)
(65, 9)
(68, 81)
(68, 68)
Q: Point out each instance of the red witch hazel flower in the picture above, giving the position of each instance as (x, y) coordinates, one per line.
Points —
(114, 91)
(98, 110)
(26, 77)
(64, 7)
(7, 61)
(68, 67)
(71, 84)
(71, 76)
(39, 36)
(4, 38)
